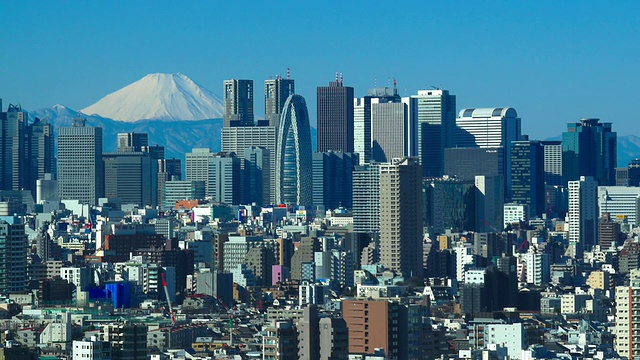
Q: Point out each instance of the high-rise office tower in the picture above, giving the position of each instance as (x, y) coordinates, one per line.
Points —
(332, 179)
(168, 169)
(552, 162)
(489, 199)
(435, 113)
(589, 148)
(527, 175)
(390, 130)
(13, 255)
(633, 173)
(224, 179)
(366, 198)
(362, 119)
(583, 211)
(401, 216)
(335, 117)
(489, 128)
(621, 202)
(131, 173)
(131, 177)
(458, 197)
(13, 161)
(219, 171)
(197, 165)
(466, 163)
(40, 149)
(256, 175)
(237, 139)
(238, 103)
(130, 142)
(80, 166)
(276, 92)
(293, 156)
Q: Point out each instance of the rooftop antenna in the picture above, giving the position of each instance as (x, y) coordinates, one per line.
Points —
(336, 76)
(288, 73)
(341, 79)
(375, 81)
(388, 82)
(394, 83)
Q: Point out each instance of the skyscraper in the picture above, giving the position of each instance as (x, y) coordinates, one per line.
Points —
(366, 198)
(219, 171)
(13, 255)
(293, 156)
(238, 103)
(390, 131)
(401, 216)
(362, 119)
(335, 117)
(168, 169)
(129, 142)
(256, 174)
(80, 166)
(131, 177)
(583, 212)
(527, 175)
(489, 128)
(237, 139)
(332, 179)
(13, 164)
(40, 150)
(589, 148)
(552, 162)
(276, 92)
(435, 113)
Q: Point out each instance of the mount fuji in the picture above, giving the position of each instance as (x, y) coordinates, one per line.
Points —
(176, 113)
(167, 97)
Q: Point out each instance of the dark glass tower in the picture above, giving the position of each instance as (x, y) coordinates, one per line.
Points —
(335, 117)
(589, 148)
(527, 175)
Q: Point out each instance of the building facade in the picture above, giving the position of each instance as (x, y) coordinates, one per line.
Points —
(238, 103)
(589, 148)
(293, 156)
(335, 117)
(80, 165)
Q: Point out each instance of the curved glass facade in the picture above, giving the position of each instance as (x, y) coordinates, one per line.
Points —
(293, 158)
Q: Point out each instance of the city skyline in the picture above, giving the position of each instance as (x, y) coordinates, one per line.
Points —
(554, 62)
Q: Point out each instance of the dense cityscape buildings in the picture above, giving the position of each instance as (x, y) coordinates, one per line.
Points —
(409, 233)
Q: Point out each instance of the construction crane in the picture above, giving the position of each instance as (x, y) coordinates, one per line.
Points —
(166, 292)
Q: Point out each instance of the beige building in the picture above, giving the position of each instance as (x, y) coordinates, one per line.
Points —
(401, 216)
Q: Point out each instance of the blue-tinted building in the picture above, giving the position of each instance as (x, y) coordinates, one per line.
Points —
(527, 175)
(333, 179)
(293, 157)
(589, 148)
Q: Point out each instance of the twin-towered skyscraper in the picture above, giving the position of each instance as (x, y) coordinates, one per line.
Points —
(285, 133)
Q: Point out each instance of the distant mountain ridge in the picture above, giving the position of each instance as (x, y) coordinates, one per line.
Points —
(178, 137)
(168, 97)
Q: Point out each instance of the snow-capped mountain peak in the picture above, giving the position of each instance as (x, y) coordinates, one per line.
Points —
(159, 96)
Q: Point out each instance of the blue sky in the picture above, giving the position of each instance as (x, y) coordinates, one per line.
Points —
(555, 62)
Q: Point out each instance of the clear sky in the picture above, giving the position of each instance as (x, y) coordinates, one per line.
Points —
(555, 62)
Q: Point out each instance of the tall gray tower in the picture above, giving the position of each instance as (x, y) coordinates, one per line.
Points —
(238, 103)
(276, 92)
(13, 169)
(80, 166)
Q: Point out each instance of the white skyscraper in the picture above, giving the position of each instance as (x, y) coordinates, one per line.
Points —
(489, 128)
(583, 212)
